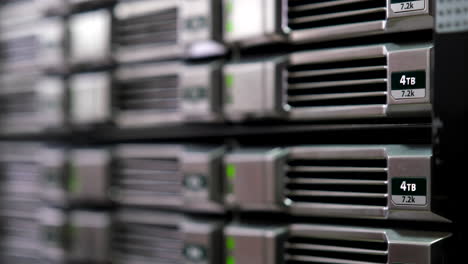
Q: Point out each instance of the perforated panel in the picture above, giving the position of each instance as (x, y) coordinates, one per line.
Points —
(452, 16)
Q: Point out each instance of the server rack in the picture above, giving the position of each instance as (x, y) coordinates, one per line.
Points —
(287, 139)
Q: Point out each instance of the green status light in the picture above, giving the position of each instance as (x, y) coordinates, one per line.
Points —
(73, 183)
(229, 23)
(228, 83)
(230, 246)
(229, 26)
(229, 80)
(231, 171)
(230, 243)
(229, 7)
(230, 260)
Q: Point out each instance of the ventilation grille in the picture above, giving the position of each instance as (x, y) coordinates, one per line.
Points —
(343, 83)
(18, 259)
(16, 242)
(18, 188)
(336, 181)
(154, 28)
(143, 243)
(19, 179)
(18, 104)
(20, 173)
(13, 2)
(318, 250)
(148, 181)
(19, 229)
(305, 14)
(149, 94)
(18, 51)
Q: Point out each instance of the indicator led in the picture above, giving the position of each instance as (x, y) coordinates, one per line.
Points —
(73, 183)
(229, 80)
(230, 243)
(231, 171)
(230, 260)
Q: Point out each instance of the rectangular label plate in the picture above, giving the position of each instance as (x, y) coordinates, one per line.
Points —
(399, 6)
(409, 84)
(409, 191)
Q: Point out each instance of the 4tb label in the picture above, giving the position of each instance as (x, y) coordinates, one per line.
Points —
(409, 191)
(408, 85)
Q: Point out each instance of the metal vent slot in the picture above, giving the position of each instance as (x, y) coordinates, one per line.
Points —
(18, 103)
(19, 228)
(317, 250)
(12, 2)
(11, 257)
(150, 29)
(19, 50)
(307, 14)
(353, 82)
(18, 181)
(158, 93)
(148, 178)
(334, 181)
(20, 172)
(19, 206)
(24, 175)
(147, 243)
